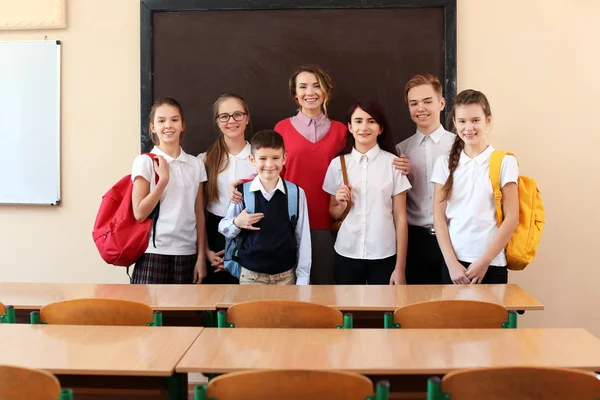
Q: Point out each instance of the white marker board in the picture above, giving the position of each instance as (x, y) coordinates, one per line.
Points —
(30, 122)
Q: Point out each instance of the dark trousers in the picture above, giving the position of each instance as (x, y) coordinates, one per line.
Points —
(321, 270)
(424, 258)
(216, 242)
(352, 271)
(493, 275)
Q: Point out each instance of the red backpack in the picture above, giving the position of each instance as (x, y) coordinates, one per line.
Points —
(120, 239)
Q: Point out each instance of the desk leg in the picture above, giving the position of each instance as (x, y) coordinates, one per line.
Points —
(210, 319)
(177, 386)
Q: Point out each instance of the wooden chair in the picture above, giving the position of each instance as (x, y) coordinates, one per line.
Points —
(297, 385)
(451, 314)
(283, 314)
(515, 383)
(18, 383)
(97, 312)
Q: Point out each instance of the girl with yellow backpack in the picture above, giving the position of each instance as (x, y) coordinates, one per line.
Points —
(475, 216)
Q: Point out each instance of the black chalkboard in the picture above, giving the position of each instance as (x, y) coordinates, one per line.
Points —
(196, 50)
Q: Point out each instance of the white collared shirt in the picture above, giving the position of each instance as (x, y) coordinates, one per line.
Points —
(229, 230)
(368, 232)
(422, 151)
(471, 209)
(238, 167)
(176, 226)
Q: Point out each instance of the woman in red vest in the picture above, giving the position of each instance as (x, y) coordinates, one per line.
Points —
(312, 140)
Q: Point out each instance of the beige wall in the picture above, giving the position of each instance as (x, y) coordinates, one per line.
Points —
(536, 60)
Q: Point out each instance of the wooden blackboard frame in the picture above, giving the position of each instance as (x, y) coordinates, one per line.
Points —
(149, 7)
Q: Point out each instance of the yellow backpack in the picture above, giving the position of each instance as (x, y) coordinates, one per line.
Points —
(524, 242)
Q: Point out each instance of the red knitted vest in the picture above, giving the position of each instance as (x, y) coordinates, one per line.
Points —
(307, 165)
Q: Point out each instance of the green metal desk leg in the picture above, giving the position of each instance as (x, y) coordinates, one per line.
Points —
(200, 393)
(10, 315)
(382, 391)
(210, 319)
(177, 386)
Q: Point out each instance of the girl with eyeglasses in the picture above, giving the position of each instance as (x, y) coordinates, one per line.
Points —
(227, 161)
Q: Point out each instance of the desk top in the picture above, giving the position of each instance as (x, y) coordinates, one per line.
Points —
(159, 297)
(381, 298)
(389, 351)
(96, 350)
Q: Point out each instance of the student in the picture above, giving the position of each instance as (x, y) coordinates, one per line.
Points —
(176, 252)
(371, 243)
(423, 94)
(464, 206)
(271, 252)
(226, 161)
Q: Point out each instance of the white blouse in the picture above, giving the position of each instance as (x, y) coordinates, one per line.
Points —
(368, 232)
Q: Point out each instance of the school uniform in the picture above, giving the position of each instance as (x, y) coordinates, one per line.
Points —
(424, 257)
(366, 242)
(311, 143)
(275, 254)
(238, 167)
(171, 255)
(471, 209)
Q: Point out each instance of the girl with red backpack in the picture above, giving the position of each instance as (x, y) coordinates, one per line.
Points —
(176, 250)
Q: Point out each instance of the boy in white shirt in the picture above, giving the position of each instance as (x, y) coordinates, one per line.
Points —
(271, 252)
(423, 94)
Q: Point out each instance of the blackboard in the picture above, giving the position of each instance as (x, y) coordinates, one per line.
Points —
(196, 50)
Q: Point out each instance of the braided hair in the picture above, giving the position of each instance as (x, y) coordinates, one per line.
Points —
(464, 98)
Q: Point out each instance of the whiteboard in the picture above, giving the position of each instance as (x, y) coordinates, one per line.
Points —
(30, 122)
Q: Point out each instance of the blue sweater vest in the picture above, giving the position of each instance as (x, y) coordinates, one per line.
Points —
(272, 249)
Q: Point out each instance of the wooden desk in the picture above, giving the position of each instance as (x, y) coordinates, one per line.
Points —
(100, 359)
(32, 296)
(182, 305)
(404, 357)
(382, 298)
(389, 351)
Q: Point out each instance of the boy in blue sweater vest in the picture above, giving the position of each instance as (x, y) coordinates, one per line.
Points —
(272, 251)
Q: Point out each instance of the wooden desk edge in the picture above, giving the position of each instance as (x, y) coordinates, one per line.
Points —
(536, 307)
(155, 308)
(161, 373)
(439, 371)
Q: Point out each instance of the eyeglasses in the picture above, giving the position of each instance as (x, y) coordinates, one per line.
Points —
(237, 117)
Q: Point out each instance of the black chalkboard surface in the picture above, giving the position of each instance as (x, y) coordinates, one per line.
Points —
(197, 52)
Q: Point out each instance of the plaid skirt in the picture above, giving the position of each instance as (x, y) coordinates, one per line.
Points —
(159, 268)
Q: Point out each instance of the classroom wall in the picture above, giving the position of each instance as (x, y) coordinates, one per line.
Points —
(534, 59)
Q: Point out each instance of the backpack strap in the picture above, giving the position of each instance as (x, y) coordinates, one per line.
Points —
(293, 199)
(156, 211)
(248, 198)
(345, 176)
(495, 171)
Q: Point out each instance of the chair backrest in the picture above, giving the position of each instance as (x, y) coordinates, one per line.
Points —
(18, 383)
(97, 312)
(2, 309)
(297, 385)
(451, 314)
(283, 314)
(521, 383)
